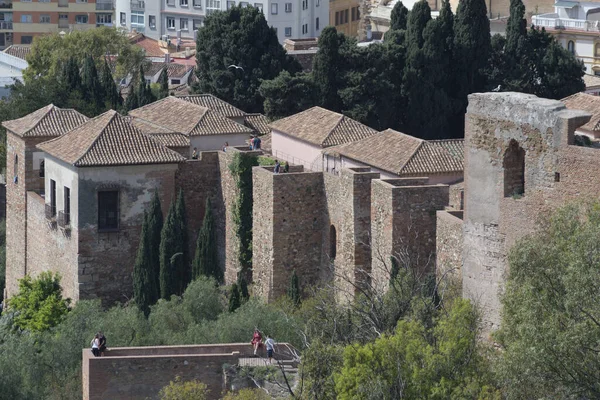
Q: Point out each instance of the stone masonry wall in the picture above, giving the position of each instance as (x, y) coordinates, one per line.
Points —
(404, 225)
(449, 244)
(555, 172)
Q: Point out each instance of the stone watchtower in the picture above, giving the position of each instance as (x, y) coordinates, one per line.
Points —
(515, 171)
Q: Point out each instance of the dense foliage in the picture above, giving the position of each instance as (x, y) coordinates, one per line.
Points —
(240, 36)
(184, 390)
(550, 326)
(205, 262)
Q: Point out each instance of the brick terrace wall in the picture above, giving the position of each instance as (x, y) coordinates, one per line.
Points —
(404, 225)
(138, 373)
(449, 243)
(492, 222)
(51, 248)
(295, 216)
(349, 210)
(106, 258)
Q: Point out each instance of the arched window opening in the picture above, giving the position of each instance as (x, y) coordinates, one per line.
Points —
(332, 242)
(16, 169)
(571, 47)
(514, 170)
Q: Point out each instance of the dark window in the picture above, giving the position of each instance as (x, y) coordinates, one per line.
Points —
(16, 169)
(175, 81)
(123, 18)
(332, 242)
(346, 12)
(514, 170)
(353, 13)
(317, 23)
(53, 197)
(571, 47)
(67, 200)
(26, 39)
(557, 177)
(42, 168)
(108, 210)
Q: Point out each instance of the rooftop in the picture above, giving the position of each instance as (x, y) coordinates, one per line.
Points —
(48, 121)
(402, 154)
(323, 127)
(165, 136)
(214, 103)
(174, 70)
(18, 50)
(591, 81)
(150, 46)
(108, 139)
(258, 122)
(188, 118)
(585, 102)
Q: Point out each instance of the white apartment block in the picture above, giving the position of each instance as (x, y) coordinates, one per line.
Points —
(576, 25)
(181, 18)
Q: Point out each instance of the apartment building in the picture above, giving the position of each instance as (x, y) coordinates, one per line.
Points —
(345, 16)
(181, 18)
(576, 25)
(22, 20)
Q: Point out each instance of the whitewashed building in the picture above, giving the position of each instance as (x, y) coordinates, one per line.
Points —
(576, 25)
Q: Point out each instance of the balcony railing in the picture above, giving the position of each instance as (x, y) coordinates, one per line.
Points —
(138, 28)
(552, 21)
(64, 219)
(5, 5)
(50, 211)
(63, 23)
(63, 3)
(105, 6)
(6, 25)
(138, 5)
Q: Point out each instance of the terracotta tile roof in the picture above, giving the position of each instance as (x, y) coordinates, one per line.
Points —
(401, 154)
(49, 121)
(258, 122)
(165, 136)
(456, 147)
(322, 127)
(585, 102)
(188, 118)
(108, 139)
(18, 50)
(150, 46)
(591, 81)
(173, 70)
(265, 142)
(214, 103)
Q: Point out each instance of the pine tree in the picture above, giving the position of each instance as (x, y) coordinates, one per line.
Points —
(168, 248)
(144, 289)
(163, 80)
(92, 87)
(155, 226)
(293, 291)
(205, 262)
(184, 274)
(234, 298)
(399, 17)
(112, 97)
(327, 67)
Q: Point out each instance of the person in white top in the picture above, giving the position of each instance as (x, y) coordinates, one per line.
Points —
(96, 346)
(270, 346)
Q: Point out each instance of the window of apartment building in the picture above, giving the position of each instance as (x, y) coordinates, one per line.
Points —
(26, 39)
(81, 19)
(103, 19)
(259, 6)
(26, 18)
(197, 24)
(317, 3)
(317, 23)
(171, 3)
(571, 47)
(230, 5)
(44, 1)
(212, 6)
(63, 20)
(288, 7)
(52, 197)
(357, 14)
(25, 1)
(353, 14)
(304, 4)
(170, 23)
(44, 19)
(274, 8)
(67, 203)
(123, 18)
(346, 15)
(81, 1)
(288, 31)
(304, 29)
(244, 4)
(108, 210)
(137, 20)
(183, 3)
(184, 24)
(197, 3)
(337, 18)
(152, 21)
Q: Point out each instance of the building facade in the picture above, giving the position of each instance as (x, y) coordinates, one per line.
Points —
(345, 16)
(181, 18)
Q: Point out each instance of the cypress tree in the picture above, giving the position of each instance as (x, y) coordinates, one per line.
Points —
(243, 287)
(394, 270)
(234, 298)
(112, 97)
(168, 248)
(399, 17)
(70, 74)
(205, 262)
(517, 52)
(293, 291)
(131, 102)
(184, 274)
(155, 226)
(326, 69)
(143, 285)
(91, 86)
(163, 80)
(143, 92)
